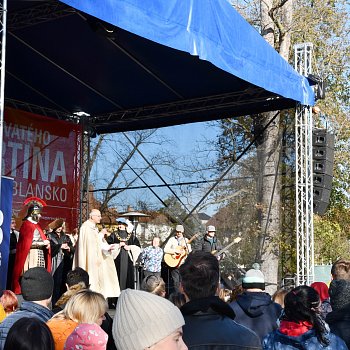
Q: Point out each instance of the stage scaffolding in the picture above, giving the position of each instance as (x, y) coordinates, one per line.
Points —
(304, 175)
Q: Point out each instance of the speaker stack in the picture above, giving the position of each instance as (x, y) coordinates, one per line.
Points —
(323, 160)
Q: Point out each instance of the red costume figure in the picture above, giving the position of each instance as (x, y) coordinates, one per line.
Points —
(33, 248)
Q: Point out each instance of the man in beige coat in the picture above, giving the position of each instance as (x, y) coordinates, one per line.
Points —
(94, 255)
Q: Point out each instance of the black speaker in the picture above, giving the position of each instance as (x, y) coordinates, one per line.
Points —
(323, 160)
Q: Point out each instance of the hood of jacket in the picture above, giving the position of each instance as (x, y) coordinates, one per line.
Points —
(254, 303)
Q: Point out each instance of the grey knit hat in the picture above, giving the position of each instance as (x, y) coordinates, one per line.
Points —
(36, 284)
(143, 319)
(339, 293)
(254, 278)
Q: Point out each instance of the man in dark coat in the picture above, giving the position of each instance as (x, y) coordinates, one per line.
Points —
(209, 243)
(209, 320)
(339, 319)
(127, 255)
(254, 308)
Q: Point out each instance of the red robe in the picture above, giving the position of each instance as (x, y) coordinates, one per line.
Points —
(26, 233)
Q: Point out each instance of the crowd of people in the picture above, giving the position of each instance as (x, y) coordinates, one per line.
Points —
(62, 289)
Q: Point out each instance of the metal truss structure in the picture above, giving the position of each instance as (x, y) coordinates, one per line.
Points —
(304, 175)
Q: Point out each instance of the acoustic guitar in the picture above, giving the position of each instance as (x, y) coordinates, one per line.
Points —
(175, 259)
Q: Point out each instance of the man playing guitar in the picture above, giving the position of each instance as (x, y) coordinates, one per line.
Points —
(177, 246)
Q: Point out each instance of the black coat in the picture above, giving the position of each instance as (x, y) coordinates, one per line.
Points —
(339, 323)
(257, 311)
(205, 245)
(209, 325)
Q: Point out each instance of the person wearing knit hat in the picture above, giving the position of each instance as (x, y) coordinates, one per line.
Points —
(339, 319)
(36, 286)
(144, 320)
(254, 308)
(87, 336)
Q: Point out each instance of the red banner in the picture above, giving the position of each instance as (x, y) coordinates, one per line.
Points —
(40, 153)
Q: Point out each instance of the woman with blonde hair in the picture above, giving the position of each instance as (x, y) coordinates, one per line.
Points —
(154, 284)
(85, 306)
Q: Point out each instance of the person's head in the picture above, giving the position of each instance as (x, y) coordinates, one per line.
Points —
(254, 280)
(95, 216)
(179, 231)
(13, 224)
(155, 241)
(35, 206)
(302, 304)
(211, 230)
(87, 336)
(57, 226)
(147, 321)
(29, 334)
(341, 270)
(76, 276)
(279, 295)
(122, 224)
(86, 306)
(322, 289)
(177, 298)
(154, 284)
(200, 275)
(9, 301)
(37, 285)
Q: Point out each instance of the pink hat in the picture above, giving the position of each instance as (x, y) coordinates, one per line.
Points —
(87, 336)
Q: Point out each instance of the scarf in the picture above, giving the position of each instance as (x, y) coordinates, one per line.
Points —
(294, 329)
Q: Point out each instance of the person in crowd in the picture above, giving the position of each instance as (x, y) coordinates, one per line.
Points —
(151, 258)
(301, 327)
(29, 334)
(209, 243)
(77, 280)
(279, 295)
(37, 287)
(254, 308)
(14, 235)
(341, 270)
(147, 321)
(33, 248)
(322, 289)
(62, 252)
(93, 254)
(177, 298)
(177, 246)
(339, 319)
(209, 321)
(154, 284)
(9, 302)
(84, 306)
(87, 336)
(127, 252)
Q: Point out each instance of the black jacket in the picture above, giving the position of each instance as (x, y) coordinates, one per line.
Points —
(257, 311)
(209, 325)
(205, 245)
(339, 323)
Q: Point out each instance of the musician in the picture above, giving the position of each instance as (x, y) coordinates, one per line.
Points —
(176, 245)
(209, 243)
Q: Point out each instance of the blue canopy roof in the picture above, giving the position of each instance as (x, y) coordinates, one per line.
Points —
(134, 64)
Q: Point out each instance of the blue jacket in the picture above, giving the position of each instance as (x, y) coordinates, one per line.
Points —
(27, 309)
(257, 311)
(307, 341)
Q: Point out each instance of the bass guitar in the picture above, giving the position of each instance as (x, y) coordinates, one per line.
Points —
(226, 248)
(175, 259)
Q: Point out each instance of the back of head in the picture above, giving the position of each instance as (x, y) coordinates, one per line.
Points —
(9, 301)
(78, 275)
(29, 334)
(143, 319)
(341, 270)
(36, 284)
(200, 275)
(154, 284)
(87, 336)
(85, 306)
(254, 279)
(322, 289)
